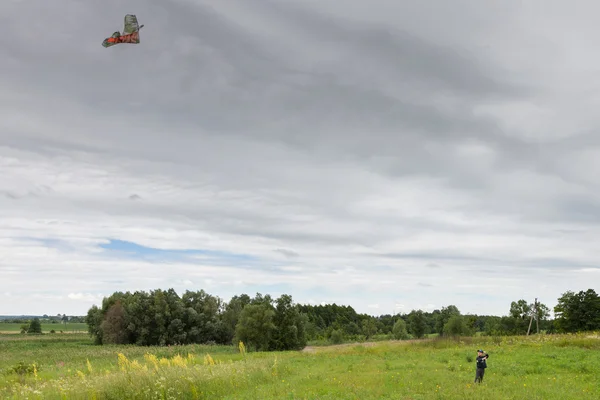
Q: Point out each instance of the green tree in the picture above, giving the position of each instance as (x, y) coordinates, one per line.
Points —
(231, 315)
(369, 328)
(492, 326)
(94, 322)
(290, 325)
(444, 316)
(543, 312)
(417, 323)
(385, 323)
(161, 318)
(176, 332)
(520, 312)
(352, 329)
(114, 325)
(520, 309)
(457, 326)
(399, 330)
(576, 312)
(139, 309)
(35, 326)
(337, 336)
(255, 326)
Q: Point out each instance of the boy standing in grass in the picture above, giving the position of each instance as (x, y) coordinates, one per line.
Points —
(481, 365)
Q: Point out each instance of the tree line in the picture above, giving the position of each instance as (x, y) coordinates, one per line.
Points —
(58, 319)
(162, 317)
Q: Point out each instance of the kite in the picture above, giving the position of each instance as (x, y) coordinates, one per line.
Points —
(131, 33)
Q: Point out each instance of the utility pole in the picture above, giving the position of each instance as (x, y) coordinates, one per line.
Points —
(537, 317)
(534, 313)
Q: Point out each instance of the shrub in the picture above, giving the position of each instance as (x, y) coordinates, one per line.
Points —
(337, 337)
(399, 330)
(35, 326)
(25, 369)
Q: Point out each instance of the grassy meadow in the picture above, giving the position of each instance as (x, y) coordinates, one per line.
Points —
(68, 366)
(9, 327)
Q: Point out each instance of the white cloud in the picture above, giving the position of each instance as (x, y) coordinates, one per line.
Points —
(87, 297)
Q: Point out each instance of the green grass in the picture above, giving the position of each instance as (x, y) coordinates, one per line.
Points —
(9, 327)
(536, 367)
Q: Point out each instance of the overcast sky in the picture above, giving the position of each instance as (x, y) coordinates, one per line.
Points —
(388, 155)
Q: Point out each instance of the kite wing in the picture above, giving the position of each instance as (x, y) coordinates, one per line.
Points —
(131, 24)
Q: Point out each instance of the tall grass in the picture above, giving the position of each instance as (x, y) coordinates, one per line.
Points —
(535, 367)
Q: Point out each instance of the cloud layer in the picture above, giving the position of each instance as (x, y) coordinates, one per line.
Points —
(389, 157)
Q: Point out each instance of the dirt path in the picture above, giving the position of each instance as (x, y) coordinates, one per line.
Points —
(312, 349)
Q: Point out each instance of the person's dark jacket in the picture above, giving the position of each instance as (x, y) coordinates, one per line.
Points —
(481, 361)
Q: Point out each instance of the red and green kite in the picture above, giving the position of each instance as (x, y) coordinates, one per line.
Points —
(131, 33)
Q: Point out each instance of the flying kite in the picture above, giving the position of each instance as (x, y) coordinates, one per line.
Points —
(131, 33)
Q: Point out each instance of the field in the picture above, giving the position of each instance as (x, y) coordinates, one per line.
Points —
(9, 327)
(70, 367)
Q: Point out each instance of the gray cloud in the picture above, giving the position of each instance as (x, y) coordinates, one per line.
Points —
(9, 195)
(447, 68)
(385, 145)
(287, 253)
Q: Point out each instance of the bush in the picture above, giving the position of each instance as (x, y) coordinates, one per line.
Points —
(399, 330)
(25, 369)
(35, 326)
(337, 337)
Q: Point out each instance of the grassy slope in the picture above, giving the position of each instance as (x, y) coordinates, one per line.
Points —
(548, 367)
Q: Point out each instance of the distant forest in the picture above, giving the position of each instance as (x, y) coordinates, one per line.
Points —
(162, 317)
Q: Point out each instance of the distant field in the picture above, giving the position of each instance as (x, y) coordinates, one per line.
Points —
(9, 327)
(556, 367)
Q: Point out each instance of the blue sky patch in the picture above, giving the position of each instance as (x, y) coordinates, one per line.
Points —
(127, 249)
